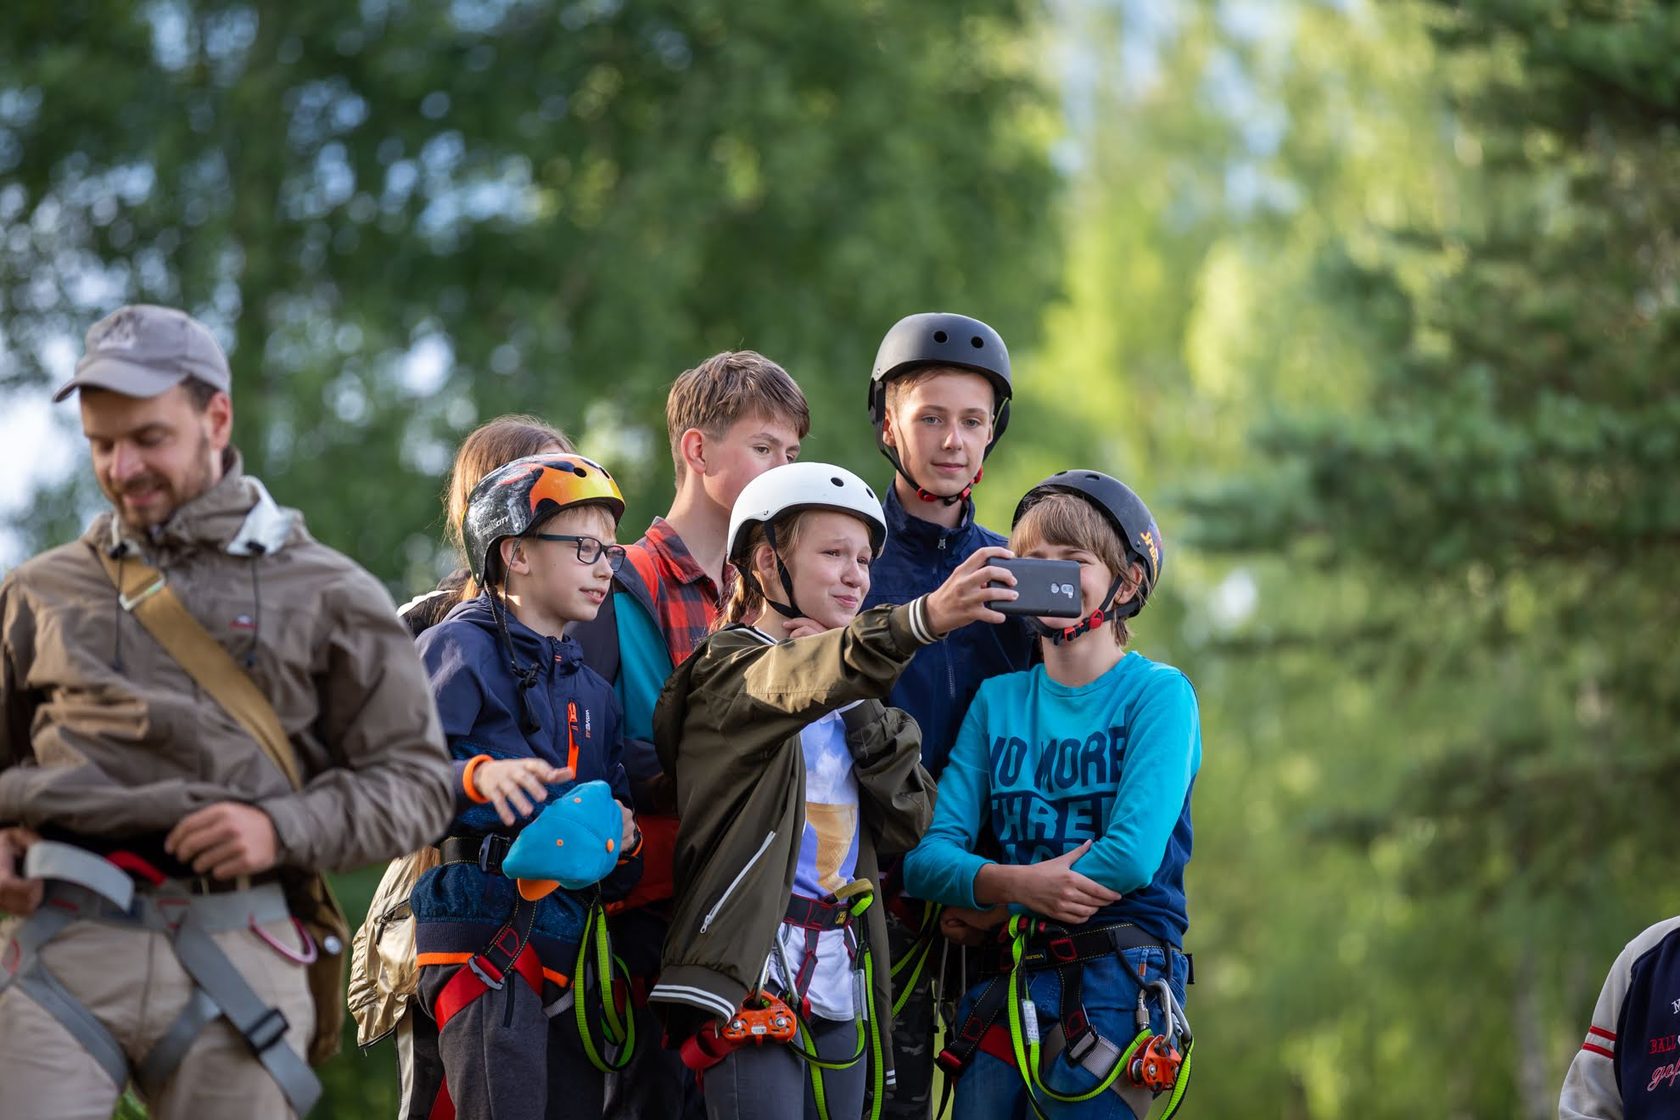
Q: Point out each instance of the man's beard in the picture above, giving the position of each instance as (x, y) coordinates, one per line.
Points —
(196, 483)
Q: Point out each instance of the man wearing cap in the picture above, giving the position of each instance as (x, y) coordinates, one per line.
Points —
(154, 843)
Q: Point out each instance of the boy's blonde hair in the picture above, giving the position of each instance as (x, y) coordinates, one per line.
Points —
(1070, 521)
(904, 382)
(724, 388)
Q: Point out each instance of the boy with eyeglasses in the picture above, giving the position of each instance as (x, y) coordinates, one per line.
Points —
(524, 718)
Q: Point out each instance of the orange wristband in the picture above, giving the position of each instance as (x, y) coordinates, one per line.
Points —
(467, 779)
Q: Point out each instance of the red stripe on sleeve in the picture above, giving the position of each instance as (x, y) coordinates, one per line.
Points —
(1602, 1033)
(1599, 1050)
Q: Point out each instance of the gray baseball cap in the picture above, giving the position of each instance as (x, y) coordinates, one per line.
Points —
(142, 350)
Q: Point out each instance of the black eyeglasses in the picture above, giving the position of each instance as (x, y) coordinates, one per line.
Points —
(589, 549)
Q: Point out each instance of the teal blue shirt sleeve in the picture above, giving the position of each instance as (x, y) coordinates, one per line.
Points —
(942, 867)
(643, 664)
(1163, 754)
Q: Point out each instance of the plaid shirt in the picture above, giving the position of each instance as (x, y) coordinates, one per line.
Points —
(686, 599)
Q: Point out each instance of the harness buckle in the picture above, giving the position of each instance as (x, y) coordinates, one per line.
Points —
(483, 972)
(129, 602)
(1062, 949)
(1076, 1029)
(268, 1030)
(489, 860)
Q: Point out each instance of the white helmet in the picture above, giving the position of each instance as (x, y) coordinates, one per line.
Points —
(798, 486)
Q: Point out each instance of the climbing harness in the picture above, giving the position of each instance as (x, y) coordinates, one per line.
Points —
(766, 1016)
(606, 1029)
(83, 886)
(1004, 1020)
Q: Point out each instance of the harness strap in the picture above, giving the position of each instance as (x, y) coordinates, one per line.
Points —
(66, 863)
(1035, 947)
(25, 969)
(263, 1027)
(960, 1048)
(167, 1052)
(468, 983)
(599, 972)
(907, 970)
(817, 914)
(509, 952)
(485, 852)
(44, 988)
(219, 989)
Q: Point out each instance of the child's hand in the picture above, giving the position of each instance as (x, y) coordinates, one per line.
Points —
(804, 627)
(512, 785)
(631, 833)
(1054, 889)
(18, 896)
(962, 598)
(971, 927)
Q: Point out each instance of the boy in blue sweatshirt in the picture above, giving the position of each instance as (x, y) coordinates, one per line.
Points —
(939, 399)
(1081, 769)
(524, 718)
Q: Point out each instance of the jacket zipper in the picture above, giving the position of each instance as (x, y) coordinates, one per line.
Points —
(571, 736)
(706, 922)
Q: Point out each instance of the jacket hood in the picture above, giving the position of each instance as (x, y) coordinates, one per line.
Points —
(236, 515)
(528, 645)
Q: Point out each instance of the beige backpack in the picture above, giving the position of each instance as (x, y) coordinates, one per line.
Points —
(383, 972)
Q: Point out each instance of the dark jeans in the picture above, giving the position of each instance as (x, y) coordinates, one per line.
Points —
(504, 1059)
(762, 1082)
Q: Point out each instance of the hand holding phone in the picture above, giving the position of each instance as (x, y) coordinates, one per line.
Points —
(1045, 588)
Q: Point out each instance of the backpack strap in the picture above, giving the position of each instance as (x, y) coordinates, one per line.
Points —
(646, 571)
(144, 592)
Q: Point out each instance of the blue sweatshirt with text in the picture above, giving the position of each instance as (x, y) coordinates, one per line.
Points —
(1048, 767)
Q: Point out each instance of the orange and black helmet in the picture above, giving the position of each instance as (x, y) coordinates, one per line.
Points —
(517, 497)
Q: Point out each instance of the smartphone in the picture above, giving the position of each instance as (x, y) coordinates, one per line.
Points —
(1047, 588)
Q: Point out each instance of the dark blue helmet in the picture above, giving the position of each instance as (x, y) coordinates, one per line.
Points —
(1124, 510)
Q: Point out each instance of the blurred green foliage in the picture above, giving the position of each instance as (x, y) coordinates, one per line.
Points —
(408, 217)
(1374, 303)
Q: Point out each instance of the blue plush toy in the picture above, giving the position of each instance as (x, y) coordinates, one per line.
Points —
(573, 843)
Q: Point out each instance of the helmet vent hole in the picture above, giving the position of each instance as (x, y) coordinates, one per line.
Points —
(579, 471)
(940, 336)
(838, 482)
(977, 342)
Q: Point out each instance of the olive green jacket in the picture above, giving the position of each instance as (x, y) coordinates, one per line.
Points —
(728, 727)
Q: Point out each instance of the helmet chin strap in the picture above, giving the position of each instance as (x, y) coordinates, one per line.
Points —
(790, 609)
(1107, 612)
(527, 674)
(930, 496)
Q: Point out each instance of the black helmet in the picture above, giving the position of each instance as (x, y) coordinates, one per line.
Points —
(1124, 510)
(517, 496)
(940, 338)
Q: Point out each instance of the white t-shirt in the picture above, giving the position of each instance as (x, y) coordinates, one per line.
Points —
(828, 854)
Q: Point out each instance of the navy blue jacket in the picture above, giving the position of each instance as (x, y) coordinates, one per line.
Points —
(458, 907)
(942, 678)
